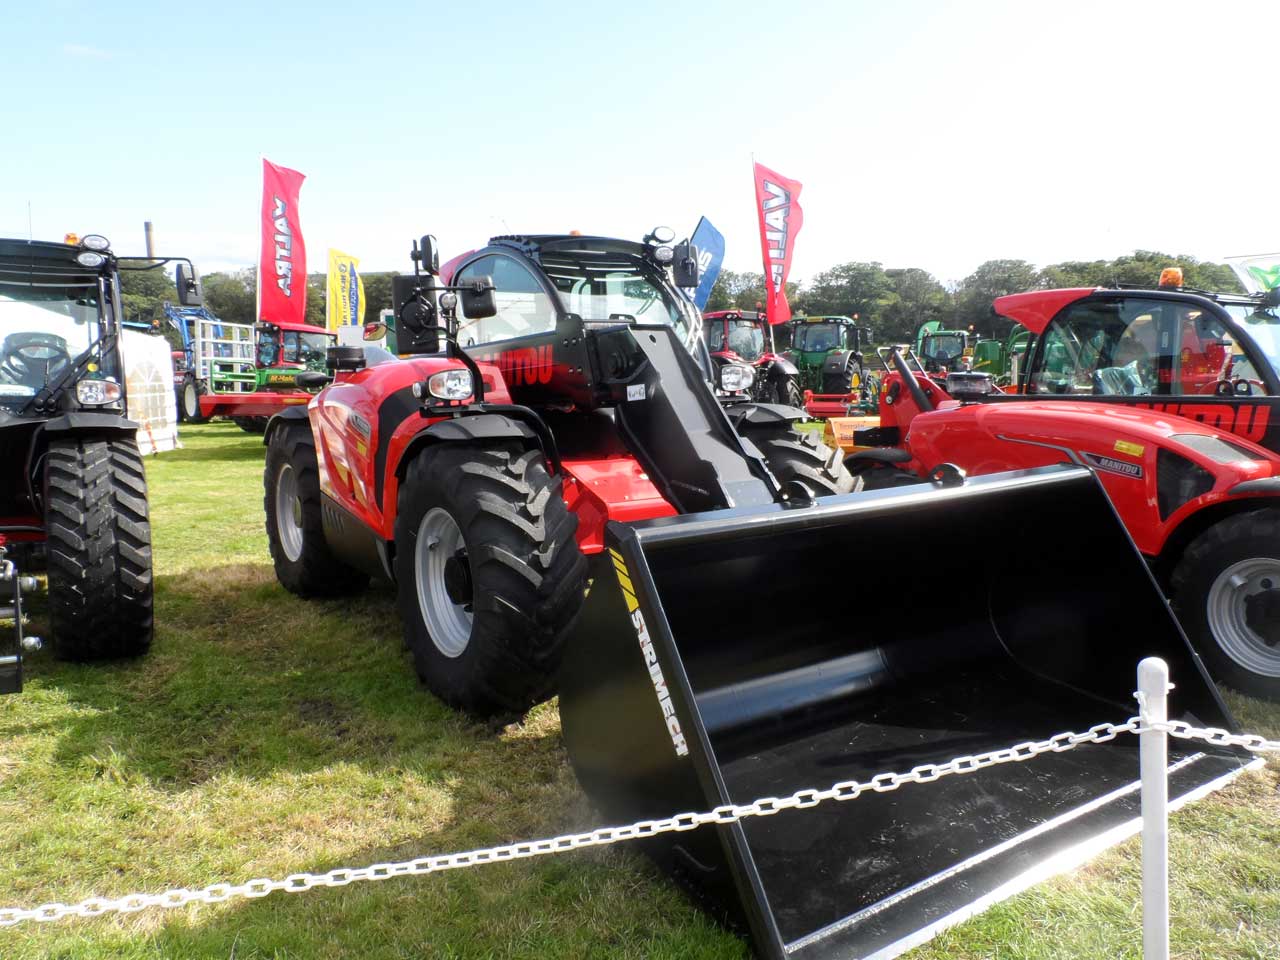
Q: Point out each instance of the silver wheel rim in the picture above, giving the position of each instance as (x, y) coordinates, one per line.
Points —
(1226, 614)
(191, 400)
(448, 623)
(289, 512)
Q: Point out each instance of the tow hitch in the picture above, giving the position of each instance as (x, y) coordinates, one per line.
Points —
(11, 662)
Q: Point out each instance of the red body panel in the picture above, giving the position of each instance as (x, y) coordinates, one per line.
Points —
(824, 406)
(261, 403)
(615, 489)
(348, 418)
(989, 438)
(1036, 308)
(22, 536)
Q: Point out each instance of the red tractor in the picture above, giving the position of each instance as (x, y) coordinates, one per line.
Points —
(570, 393)
(746, 337)
(1201, 502)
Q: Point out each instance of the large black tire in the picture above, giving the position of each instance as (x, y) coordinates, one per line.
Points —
(799, 455)
(1226, 591)
(876, 476)
(787, 392)
(507, 585)
(304, 563)
(256, 425)
(100, 579)
(838, 382)
(189, 401)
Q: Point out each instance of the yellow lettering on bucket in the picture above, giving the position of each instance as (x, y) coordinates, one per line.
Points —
(650, 655)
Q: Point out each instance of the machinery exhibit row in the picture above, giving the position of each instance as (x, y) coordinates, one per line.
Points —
(582, 486)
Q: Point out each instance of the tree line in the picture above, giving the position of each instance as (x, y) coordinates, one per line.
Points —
(892, 301)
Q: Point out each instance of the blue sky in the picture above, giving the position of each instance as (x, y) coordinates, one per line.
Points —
(926, 134)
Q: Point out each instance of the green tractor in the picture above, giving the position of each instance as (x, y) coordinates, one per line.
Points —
(944, 351)
(1003, 360)
(827, 352)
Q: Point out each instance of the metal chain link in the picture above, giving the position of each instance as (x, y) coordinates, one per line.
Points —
(724, 814)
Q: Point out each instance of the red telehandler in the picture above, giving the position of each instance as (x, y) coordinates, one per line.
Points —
(1202, 503)
(565, 502)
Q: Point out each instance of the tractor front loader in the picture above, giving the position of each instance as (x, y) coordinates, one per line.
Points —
(567, 502)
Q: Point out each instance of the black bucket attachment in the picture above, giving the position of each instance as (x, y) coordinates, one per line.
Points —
(724, 657)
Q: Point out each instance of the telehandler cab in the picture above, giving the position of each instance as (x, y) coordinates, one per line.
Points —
(566, 503)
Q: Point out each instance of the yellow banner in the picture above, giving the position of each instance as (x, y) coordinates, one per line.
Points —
(344, 303)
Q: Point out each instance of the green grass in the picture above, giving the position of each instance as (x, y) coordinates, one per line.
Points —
(265, 735)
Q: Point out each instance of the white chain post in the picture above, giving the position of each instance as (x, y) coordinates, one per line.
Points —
(1153, 698)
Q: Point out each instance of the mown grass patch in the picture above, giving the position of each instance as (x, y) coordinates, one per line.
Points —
(265, 735)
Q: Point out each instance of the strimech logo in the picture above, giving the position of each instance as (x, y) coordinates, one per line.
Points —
(776, 210)
(650, 655)
(284, 245)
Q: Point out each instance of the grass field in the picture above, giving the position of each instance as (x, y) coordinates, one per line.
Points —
(264, 735)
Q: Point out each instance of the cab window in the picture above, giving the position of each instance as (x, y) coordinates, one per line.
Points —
(1120, 347)
(1134, 347)
(715, 336)
(524, 309)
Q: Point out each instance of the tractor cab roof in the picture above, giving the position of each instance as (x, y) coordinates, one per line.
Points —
(39, 263)
(1035, 308)
(823, 319)
(294, 325)
(533, 245)
(733, 315)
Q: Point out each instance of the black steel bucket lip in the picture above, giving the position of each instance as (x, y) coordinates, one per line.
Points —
(1060, 863)
(770, 519)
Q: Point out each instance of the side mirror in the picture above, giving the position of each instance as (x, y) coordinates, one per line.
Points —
(190, 293)
(427, 255)
(417, 324)
(478, 299)
(377, 330)
(684, 267)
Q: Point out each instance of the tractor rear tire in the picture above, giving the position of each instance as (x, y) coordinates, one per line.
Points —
(795, 455)
(486, 618)
(99, 549)
(304, 563)
(1226, 591)
(841, 383)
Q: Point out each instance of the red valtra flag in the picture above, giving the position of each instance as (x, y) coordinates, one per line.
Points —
(778, 204)
(282, 267)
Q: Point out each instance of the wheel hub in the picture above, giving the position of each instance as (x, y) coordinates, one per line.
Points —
(1243, 610)
(1262, 613)
(289, 513)
(442, 573)
(457, 578)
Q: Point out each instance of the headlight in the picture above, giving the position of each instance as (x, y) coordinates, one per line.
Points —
(87, 258)
(663, 254)
(95, 393)
(450, 385)
(94, 241)
(736, 377)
